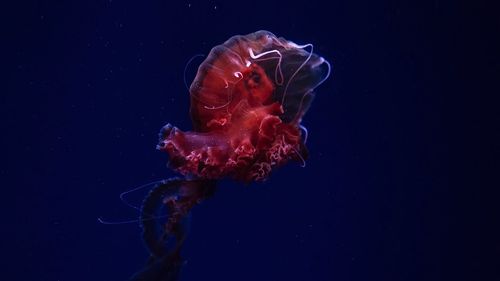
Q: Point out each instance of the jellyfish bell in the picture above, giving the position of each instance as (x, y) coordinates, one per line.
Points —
(259, 65)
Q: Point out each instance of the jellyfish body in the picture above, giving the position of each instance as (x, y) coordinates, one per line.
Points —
(247, 102)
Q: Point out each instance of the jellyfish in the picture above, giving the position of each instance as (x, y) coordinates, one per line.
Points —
(247, 103)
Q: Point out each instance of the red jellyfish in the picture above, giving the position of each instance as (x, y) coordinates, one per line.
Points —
(247, 103)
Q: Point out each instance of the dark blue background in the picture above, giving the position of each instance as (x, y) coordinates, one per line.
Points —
(90, 83)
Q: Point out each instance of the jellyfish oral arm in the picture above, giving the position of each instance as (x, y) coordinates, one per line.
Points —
(247, 149)
(179, 197)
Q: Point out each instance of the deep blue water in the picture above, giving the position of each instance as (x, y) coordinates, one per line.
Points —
(90, 83)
